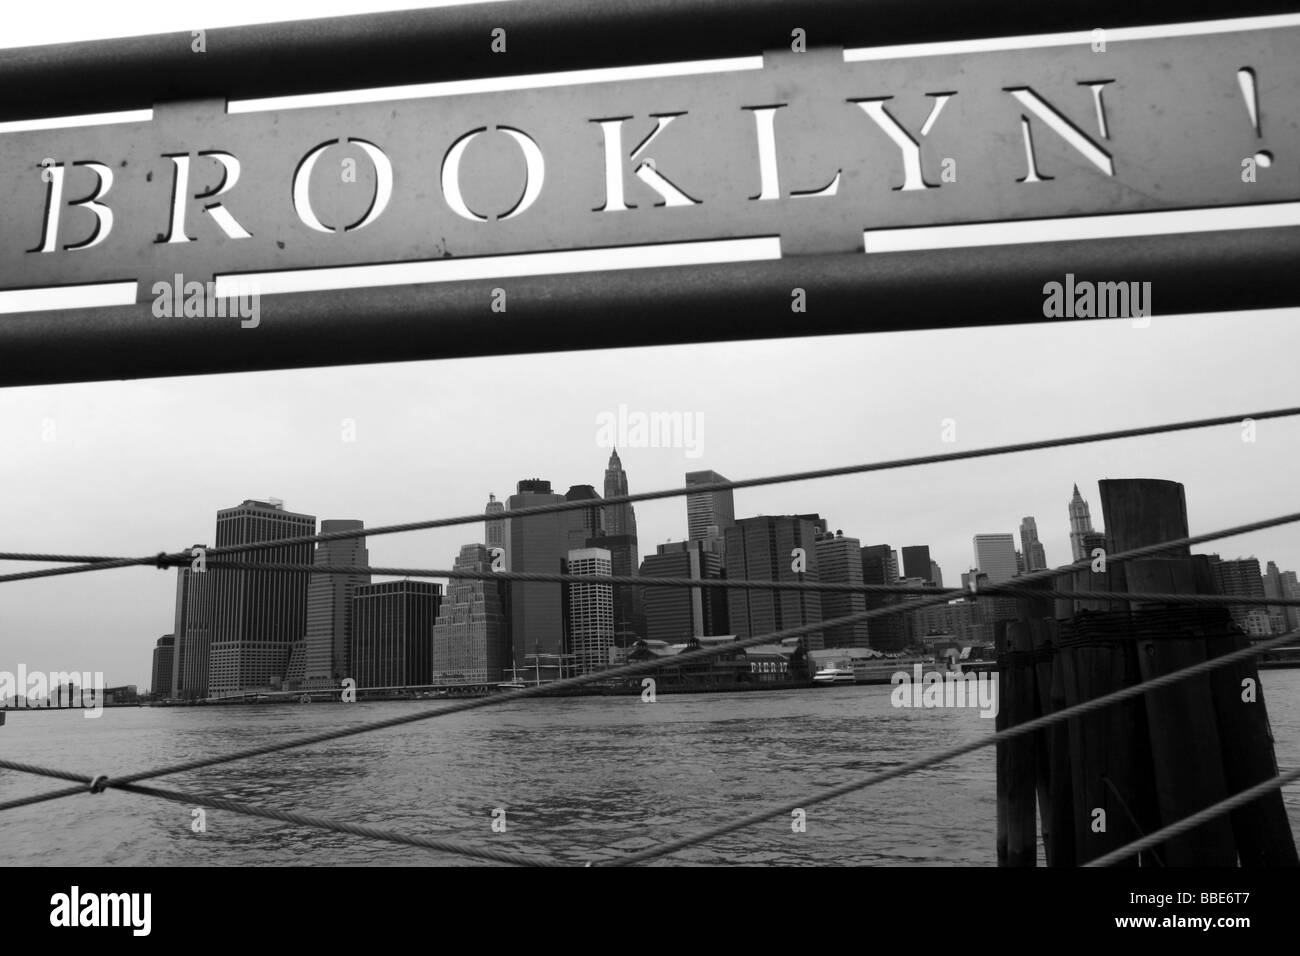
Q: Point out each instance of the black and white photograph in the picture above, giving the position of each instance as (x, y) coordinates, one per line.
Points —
(773, 435)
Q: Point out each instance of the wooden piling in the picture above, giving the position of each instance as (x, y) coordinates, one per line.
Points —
(1181, 724)
(1261, 828)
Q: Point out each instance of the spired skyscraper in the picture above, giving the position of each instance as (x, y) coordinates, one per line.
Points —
(257, 615)
(328, 638)
(1080, 527)
(621, 542)
(471, 637)
(494, 528)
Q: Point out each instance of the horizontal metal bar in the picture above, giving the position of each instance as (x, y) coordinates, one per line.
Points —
(450, 43)
(851, 293)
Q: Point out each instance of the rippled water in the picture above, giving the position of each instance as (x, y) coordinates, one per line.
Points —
(581, 779)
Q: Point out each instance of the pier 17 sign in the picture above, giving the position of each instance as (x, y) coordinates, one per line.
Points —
(810, 148)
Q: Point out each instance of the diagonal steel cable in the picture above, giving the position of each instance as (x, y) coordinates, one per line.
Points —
(1196, 819)
(840, 471)
(270, 813)
(1010, 733)
(337, 826)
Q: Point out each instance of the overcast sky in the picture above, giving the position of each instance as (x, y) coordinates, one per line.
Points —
(139, 467)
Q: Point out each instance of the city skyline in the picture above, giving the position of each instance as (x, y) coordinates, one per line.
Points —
(281, 434)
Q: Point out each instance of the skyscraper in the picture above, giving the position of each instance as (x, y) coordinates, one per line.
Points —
(1080, 525)
(888, 633)
(619, 519)
(936, 575)
(708, 508)
(995, 555)
(839, 561)
(163, 655)
(676, 614)
(762, 549)
(328, 635)
(1240, 577)
(1291, 589)
(1030, 546)
(592, 519)
(621, 541)
(193, 631)
(538, 543)
(916, 562)
(494, 528)
(257, 615)
(392, 628)
(1274, 588)
(471, 638)
(591, 611)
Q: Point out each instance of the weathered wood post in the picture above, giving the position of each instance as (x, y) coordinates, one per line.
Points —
(1261, 828)
(1181, 723)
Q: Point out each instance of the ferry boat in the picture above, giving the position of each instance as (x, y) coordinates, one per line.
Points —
(514, 683)
(834, 675)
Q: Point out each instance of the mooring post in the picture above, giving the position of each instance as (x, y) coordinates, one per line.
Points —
(1181, 725)
(1261, 828)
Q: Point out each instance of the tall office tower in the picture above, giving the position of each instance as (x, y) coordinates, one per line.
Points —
(257, 615)
(1035, 556)
(471, 638)
(707, 509)
(1239, 577)
(674, 614)
(592, 519)
(761, 549)
(327, 640)
(494, 528)
(936, 575)
(1080, 524)
(713, 565)
(619, 519)
(629, 616)
(1291, 589)
(164, 654)
(1020, 563)
(1273, 588)
(193, 631)
(995, 555)
(392, 627)
(894, 574)
(591, 611)
(916, 562)
(538, 543)
(620, 538)
(839, 561)
(888, 633)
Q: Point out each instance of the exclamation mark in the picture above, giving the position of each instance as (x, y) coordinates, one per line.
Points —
(1246, 80)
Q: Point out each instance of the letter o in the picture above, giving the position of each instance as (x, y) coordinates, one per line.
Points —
(383, 187)
(534, 174)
